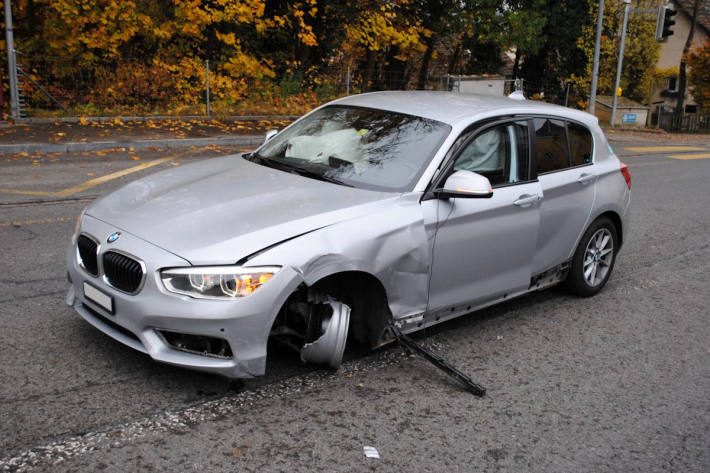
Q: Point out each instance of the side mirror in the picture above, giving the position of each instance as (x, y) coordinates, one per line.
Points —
(465, 184)
(270, 134)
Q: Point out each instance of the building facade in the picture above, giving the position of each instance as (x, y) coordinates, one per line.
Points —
(665, 93)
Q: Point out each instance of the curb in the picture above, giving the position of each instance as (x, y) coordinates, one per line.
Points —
(76, 147)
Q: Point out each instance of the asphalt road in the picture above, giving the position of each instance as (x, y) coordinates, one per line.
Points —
(618, 382)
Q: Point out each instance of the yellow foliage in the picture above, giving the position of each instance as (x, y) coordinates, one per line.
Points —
(377, 30)
(173, 38)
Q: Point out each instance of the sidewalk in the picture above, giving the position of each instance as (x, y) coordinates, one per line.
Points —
(90, 135)
(652, 135)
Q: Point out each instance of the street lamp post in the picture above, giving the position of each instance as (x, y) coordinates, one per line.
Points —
(595, 67)
(11, 67)
(620, 62)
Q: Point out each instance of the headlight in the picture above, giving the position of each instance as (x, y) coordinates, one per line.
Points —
(216, 282)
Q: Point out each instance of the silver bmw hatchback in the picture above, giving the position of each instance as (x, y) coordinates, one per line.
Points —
(404, 208)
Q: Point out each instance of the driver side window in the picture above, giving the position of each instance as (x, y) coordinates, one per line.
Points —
(500, 153)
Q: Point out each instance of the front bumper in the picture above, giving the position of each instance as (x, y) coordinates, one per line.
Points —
(244, 323)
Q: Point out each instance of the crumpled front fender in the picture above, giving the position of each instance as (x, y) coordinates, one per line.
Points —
(390, 244)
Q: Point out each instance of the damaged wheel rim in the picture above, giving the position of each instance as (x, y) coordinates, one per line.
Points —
(330, 346)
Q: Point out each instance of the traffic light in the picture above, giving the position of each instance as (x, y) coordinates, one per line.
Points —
(664, 23)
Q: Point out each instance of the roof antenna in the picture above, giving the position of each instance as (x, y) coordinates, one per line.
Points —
(517, 94)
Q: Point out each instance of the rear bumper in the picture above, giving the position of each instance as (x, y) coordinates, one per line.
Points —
(244, 323)
(625, 216)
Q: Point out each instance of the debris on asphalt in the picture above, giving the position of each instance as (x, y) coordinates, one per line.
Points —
(370, 452)
(436, 360)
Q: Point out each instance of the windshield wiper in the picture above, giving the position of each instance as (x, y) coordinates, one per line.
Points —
(319, 176)
(294, 169)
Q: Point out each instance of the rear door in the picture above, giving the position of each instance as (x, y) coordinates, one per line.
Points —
(563, 155)
(483, 248)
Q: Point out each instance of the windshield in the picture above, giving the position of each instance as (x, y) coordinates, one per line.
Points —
(359, 147)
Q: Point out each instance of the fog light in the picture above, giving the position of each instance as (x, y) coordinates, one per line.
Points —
(197, 344)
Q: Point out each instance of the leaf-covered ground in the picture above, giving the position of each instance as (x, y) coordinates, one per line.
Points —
(119, 130)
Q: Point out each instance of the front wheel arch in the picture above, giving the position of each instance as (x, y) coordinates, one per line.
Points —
(364, 297)
(367, 298)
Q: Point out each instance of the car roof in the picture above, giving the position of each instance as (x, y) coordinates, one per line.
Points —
(450, 107)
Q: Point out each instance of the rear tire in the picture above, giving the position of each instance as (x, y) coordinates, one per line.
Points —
(594, 258)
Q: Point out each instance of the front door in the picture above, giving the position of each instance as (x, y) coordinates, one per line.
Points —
(483, 248)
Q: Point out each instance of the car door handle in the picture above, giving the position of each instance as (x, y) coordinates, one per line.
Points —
(526, 199)
(586, 178)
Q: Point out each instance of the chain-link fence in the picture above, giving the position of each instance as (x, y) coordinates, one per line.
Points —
(193, 86)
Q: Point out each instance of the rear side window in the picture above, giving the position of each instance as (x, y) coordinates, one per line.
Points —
(580, 143)
(561, 144)
(552, 147)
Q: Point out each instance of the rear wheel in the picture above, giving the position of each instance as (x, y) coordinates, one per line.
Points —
(594, 258)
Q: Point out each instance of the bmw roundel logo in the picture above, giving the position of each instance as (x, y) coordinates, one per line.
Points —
(113, 237)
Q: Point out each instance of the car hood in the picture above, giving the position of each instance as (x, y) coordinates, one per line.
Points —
(221, 210)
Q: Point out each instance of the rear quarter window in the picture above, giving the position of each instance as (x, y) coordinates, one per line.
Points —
(580, 143)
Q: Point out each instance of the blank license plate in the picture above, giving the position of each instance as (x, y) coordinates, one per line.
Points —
(98, 297)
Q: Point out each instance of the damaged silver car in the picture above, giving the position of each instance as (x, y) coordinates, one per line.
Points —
(405, 208)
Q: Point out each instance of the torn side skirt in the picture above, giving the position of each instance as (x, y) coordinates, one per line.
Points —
(550, 277)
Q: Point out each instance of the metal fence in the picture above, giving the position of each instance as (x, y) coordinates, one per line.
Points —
(691, 123)
(54, 87)
(193, 86)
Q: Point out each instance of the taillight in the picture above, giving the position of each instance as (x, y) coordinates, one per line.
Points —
(627, 175)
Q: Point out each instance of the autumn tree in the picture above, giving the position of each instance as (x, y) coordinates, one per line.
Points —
(481, 33)
(297, 33)
(382, 36)
(133, 52)
(698, 63)
(523, 29)
(556, 54)
(641, 51)
(678, 114)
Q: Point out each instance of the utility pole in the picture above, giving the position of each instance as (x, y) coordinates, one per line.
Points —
(621, 61)
(595, 67)
(11, 67)
(207, 84)
(347, 82)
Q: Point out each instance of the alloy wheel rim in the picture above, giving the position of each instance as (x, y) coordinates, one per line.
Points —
(598, 257)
